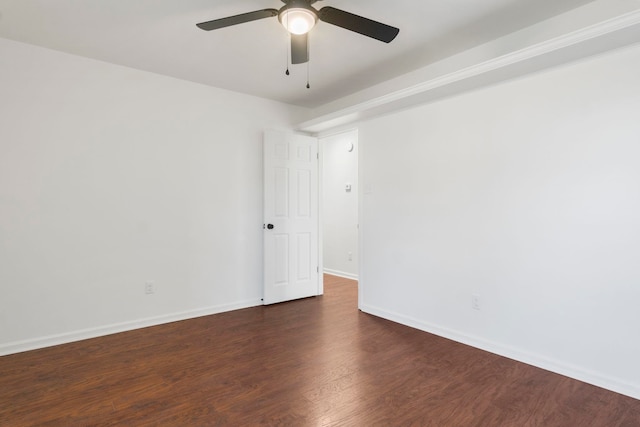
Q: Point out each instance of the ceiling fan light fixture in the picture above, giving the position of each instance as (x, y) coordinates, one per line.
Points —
(298, 20)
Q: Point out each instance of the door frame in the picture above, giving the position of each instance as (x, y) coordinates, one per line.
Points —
(321, 206)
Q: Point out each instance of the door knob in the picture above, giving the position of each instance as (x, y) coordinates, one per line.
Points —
(270, 226)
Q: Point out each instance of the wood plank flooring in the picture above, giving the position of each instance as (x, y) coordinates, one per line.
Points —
(312, 362)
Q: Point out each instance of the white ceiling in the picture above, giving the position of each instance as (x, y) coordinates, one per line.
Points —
(160, 36)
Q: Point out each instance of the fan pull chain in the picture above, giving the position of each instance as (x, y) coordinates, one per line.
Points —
(308, 61)
(287, 72)
(289, 34)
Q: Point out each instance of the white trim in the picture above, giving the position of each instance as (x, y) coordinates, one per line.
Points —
(83, 334)
(338, 131)
(387, 103)
(552, 365)
(341, 274)
(320, 216)
(361, 248)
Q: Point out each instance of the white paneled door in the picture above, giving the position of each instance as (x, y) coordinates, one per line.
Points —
(291, 254)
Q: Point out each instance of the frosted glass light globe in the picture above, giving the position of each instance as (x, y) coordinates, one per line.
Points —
(298, 20)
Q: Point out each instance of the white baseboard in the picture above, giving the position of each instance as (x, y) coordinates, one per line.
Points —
(68, 337)
(593, 378)
(340, 274)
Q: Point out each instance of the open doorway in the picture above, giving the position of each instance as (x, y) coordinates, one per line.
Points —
(340, 204)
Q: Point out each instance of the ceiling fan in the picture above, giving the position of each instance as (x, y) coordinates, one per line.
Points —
(299, 17)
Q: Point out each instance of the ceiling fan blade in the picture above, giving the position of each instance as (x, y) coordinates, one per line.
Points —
(299, 48)
(366, 27)
(237, 19)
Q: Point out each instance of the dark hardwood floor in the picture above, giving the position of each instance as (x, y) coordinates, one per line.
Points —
(312, 362)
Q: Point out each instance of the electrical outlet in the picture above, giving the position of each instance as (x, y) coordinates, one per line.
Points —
(475, 302)
(350, 256)
(149, 288)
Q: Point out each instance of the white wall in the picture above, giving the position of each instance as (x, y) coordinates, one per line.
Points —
(111, 177)
(340, 207)
(526, 194)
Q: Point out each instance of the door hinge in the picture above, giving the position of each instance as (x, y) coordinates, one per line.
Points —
(317, 269)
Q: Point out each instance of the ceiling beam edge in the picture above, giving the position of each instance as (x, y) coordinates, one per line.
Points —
(582, 43)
